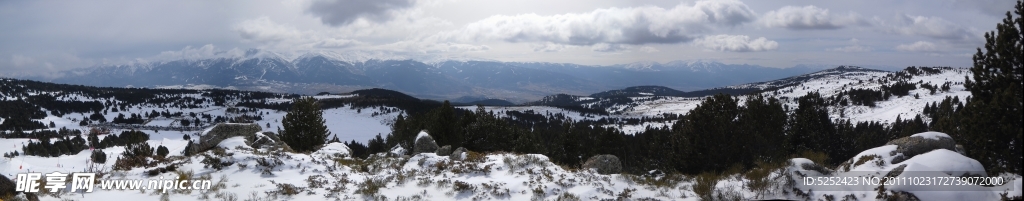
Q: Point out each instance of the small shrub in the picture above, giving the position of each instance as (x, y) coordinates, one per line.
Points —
(704, 186)
(98, 157)
(566, 196)
(161, 151)
(215, 162)
(865, 159)
(626, 193)
(371, 186)
(226, 196)
(287, 189)
(267, 164)
(816, 157)
(184, 176)
(316, 181)
(463, 187)
(134, 155)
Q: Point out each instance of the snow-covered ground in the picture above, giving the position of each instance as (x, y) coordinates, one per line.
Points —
(826, 83)
(328, 174)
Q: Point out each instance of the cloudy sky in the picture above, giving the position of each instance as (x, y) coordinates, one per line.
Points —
(39, 37)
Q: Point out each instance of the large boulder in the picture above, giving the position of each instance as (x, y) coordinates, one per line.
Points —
(458, 154)
(222, 131)
(7, 187)
(444, 150)
(604, 164)
(270, 141)
(397, 151)
(424, 144)
(920, 143)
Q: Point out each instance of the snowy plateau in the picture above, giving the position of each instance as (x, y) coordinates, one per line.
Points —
(330, 173)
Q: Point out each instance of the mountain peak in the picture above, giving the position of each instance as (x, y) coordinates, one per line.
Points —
(263, 54)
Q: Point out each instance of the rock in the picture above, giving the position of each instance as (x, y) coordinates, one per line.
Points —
(424, 144)
(224, 131)
(270, 141)
(920, 143)
(31, 197)
(444, 150)
(960, 149)
(604, 164)
(902, 196)
(7, 187)
(397, 151)
(897, 171)
(458, 154)
(817, 168)
(155, 172)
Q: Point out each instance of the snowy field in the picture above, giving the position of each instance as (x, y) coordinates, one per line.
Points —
(328, 174)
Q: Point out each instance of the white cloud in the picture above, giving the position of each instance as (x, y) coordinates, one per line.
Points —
(919, 46)
(649, 49)
(335, 43)
(21, 60)
(45, 66)
(264, 30)
(991, 7)
(736, 43)
(633, 26)
(269, 34)
(855, 47)
(548, 47)
(933, 27)
(420, 47)
(604, 47)
(345, 12)
(205, 52)
(852, 48)
(808, 17)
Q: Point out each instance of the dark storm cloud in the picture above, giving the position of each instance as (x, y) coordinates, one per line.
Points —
(344, 12)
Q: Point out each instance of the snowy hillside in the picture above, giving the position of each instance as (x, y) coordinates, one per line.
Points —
(828, 83)
(331, 174)
(242, 168)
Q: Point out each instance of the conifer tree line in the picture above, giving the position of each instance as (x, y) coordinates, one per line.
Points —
(714, 136)
(44, 146)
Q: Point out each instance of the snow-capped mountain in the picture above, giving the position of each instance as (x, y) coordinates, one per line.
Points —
(431, 77)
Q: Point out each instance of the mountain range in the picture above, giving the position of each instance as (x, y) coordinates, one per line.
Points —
(445, 78)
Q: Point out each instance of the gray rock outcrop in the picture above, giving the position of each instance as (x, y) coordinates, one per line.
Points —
(457, 154)
(914, 145)
(7, 187)
(444, 150)
(424, 144)
(224, 131)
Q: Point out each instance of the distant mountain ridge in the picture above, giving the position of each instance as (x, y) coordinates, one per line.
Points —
(434, 78)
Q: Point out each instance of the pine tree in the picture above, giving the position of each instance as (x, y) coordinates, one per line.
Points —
(992, 124)
(98, 157)
(188, 149)
(710, 135)
(162, 151)
(811, 128)
(304, 129)
(763, 123)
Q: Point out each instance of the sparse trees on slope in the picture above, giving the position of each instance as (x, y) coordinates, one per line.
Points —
(304, 128)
